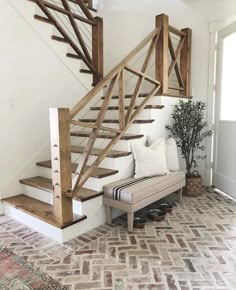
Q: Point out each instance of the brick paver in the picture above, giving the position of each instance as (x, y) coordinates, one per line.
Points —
(194, 248)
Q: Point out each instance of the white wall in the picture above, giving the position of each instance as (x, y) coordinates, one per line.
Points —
(213, 10)
(35, 78)
(126, 23)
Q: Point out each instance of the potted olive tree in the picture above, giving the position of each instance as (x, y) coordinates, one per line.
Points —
(189, 130)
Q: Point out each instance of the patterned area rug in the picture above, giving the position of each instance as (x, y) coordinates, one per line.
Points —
(17, 274)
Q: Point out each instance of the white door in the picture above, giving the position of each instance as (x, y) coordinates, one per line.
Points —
(224, 164)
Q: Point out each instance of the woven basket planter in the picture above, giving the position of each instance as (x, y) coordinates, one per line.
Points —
(193, 186)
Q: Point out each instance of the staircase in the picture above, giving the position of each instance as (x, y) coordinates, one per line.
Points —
(90, 144)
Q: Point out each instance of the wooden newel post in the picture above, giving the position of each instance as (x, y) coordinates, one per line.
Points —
(90, 4)
(61, 164)
(185, 60)
(162, 48)
(97, 49)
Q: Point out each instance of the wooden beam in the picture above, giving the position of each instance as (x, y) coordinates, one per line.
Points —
(143, 103)
(61, 164)
(85, 9)
(121, 100)
(97, 49)
(133, 99)
(93, 126)
(140, 74)
(64, 33)
(185, 60)
(65, 11)
(176, 65)
(162, 22)
(76, 30)
(176, 31)
(177, 53)
(84, 158)
(114, 140)
(80, 105)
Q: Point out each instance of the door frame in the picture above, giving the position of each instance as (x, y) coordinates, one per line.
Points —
(215, 28)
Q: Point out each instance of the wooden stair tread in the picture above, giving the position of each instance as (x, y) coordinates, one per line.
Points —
(111, 121)
(39, 209)
(128, 96)
(43, 19)
(72, 55)
(45, 184)
(98, 151)
(87, 194)
(98, 173)
(106, 135)
(126, 107)
(59, 38)
(38, 182)
(86, 71)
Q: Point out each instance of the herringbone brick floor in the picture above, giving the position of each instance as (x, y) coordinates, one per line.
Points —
(194, 248)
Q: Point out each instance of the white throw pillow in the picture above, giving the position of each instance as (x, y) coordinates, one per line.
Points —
(171, 150)
(148, 161)
(172, 158)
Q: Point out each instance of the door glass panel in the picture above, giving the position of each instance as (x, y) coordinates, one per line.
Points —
(228, 79)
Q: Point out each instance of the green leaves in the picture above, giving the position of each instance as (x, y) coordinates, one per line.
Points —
(188, 129)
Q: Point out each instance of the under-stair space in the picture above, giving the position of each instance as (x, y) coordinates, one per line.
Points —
(91, 143)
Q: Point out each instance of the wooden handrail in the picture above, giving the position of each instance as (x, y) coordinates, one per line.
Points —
(82, 103)
(159, 43)
(126, 117)
(176, 31)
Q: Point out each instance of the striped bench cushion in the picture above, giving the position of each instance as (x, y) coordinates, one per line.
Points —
(132, 190)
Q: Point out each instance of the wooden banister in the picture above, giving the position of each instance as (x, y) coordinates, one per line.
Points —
(126, 118)
(81, 104)
(162, 23)
(97, 49)
(179, 65)
(61, 164)
(160, 43)
(92, 59)
(176, 31)
(185, 60)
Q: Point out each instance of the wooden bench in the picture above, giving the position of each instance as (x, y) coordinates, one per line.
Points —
(132, 194)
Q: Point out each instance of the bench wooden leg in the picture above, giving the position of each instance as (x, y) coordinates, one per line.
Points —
(109, 214)
(179, 195)
(130, 221)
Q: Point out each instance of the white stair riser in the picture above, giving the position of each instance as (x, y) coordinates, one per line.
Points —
(39, 194)
(155, 100)
(47, 197)
(97, 184)
(92, 183)
(109, 163)
(125, 165)
(122, 145)
(80, 208)
(140, 128)
(146, 114)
